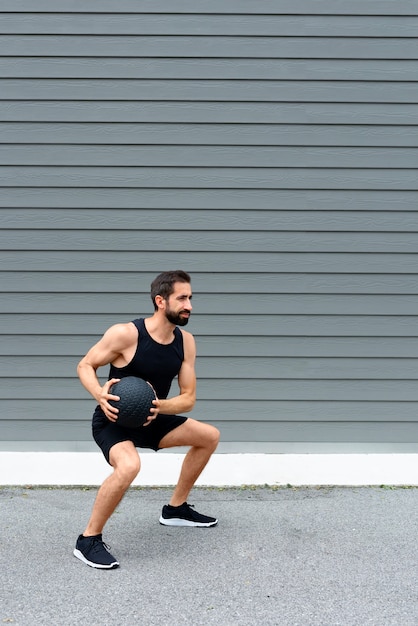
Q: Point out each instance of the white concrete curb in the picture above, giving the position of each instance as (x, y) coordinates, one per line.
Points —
(89, 468)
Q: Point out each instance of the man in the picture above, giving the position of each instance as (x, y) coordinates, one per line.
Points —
(157, 350)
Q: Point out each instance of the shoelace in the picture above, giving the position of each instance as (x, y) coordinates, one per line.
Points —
(189, 508)
(97, 544)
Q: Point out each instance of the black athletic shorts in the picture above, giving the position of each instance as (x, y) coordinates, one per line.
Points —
(107, 433)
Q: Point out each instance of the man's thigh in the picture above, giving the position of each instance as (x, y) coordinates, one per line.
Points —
(191, 433)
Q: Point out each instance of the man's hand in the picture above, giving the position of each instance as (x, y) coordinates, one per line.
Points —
(154, 412)
(103, 399)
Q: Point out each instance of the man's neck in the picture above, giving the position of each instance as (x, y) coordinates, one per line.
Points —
(160, 329)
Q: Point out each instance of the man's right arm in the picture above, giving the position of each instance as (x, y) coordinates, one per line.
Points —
(111, 346)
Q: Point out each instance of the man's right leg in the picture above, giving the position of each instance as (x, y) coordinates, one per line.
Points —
(90, 548)
(125, 461)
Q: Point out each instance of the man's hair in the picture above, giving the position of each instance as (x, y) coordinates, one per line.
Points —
(163, 285)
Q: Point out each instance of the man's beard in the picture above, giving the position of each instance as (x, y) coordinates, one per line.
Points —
(175, 318)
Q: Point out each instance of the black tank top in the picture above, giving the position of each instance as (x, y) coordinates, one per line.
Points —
(152, 361)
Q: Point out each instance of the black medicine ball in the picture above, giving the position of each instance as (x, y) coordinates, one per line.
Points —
(136, 396)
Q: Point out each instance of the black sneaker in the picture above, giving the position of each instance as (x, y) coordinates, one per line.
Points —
(184, 515)
(93, 551)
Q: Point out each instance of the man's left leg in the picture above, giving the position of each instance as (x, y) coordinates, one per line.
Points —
(203, 439)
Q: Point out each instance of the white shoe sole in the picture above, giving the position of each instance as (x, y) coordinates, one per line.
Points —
(177, 521)
(80, 556)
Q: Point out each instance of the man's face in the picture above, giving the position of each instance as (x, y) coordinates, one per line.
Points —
(179, 304)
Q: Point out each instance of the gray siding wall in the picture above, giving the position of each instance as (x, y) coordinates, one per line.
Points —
(269, 148)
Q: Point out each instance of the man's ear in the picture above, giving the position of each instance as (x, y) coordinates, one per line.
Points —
(160, 302)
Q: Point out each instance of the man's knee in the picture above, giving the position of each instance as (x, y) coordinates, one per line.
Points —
(128, 470)
(212, 436)
(205, 435)
(126, 462)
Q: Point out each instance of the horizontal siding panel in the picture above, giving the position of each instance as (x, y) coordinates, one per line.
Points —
(209, 156)
(199, 68)
(369, 432)
(243, 368)
(109, 45)
(260, 390)
(210, 90)
(282, 411)
(46, 430)
(207, 7)
(220, 220)
(202, 261)
(321, 369)
(273, 346)
(233, 283)
(209, 134)
(297, 325)
(247, 199)
(210, 241)
(281, 304)
(194, 23)
(390, 432)
(198, 177)
(205, 112)
(358, 347)
(238, 412)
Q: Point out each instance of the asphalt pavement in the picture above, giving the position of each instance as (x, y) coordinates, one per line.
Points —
(279, 556)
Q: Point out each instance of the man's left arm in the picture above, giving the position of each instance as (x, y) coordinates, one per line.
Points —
(186, 399)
